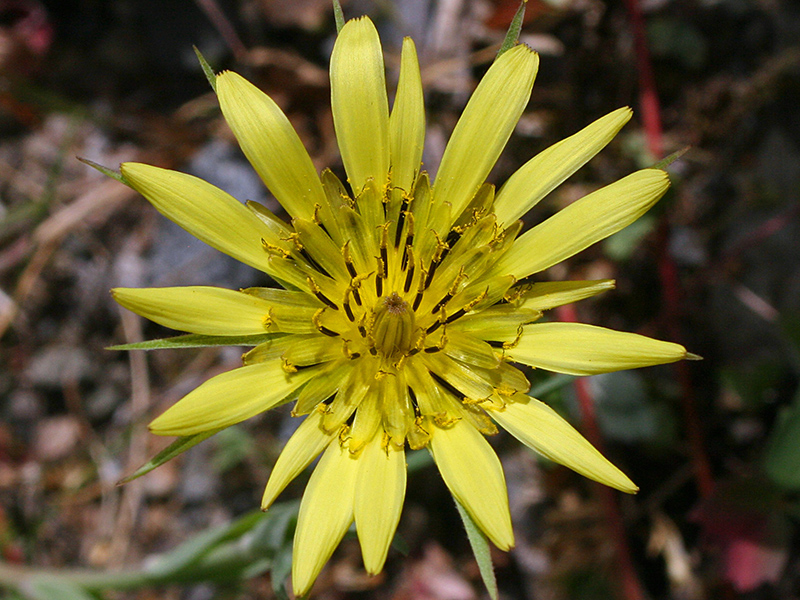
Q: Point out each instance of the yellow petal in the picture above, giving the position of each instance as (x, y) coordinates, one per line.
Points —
(548, 169)
(549, 294)
(197, 309)
(203, 210)
(303, 447)
(485, 126)
(359, 103)
(271, 144)
(538, 426)
(326, 512)
(229, 398)
(472, 472)
(407, 121)
(582, 223)
(380, 491)
(579, 349)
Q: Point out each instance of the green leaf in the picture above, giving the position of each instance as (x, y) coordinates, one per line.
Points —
(782, 460)
(551, 384)
(196, 340)
(179, 446)
(234, 445)
(512, 35)
(418, 459)
(481, 550)
(274, 533)
(45, 587)
(195, 549)
(622, 245)
(281, 567)
(207, 70)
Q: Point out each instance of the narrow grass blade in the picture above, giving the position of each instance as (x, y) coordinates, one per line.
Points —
(481, 550)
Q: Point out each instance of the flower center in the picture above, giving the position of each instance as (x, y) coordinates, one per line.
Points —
(393, 327)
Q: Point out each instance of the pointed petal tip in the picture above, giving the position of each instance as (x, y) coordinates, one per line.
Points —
(505, 544)
(693, 356)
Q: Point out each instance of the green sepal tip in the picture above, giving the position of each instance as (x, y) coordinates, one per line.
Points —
(667, 161)
(179, 446)
(105, 170)
(207, 70)
(196, 340)
(512, 35)
(338, 15)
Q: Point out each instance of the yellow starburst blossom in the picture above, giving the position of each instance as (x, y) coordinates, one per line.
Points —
(405, 304)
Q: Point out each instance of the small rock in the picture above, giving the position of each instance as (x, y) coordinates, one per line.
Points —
(56, 437)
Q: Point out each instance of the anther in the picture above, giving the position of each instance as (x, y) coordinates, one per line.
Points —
(350, 316)
(429, 276)
(436, 325)
(320, 296)
(408, 258)
(400, 222)
(315, 320)
(379, 276)
(348, 260)
(456, 315)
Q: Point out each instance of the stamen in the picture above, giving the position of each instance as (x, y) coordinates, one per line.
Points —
(413, 397)
(456, 315)
(447, 386)
(437, 324)
(440, 247)
(379, 278)
(348, 260)
(408, 258)
(275, 249)
(410, 229)
(314, 264)
(347, 310)
(453, 236)
(400, 222)
(451, 292)
(320, 327)
(362, 330)
(347, 352)
(320, 296)
(515, 341)
(429, 276)
(417, 300)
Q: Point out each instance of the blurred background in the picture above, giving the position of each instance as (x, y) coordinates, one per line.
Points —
(714, 445)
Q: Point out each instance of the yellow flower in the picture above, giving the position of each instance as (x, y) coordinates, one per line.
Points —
(404, 304)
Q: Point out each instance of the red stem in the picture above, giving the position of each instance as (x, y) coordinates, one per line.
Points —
(631, 587)
(670, 282)
(672, 296)
(648, 96)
